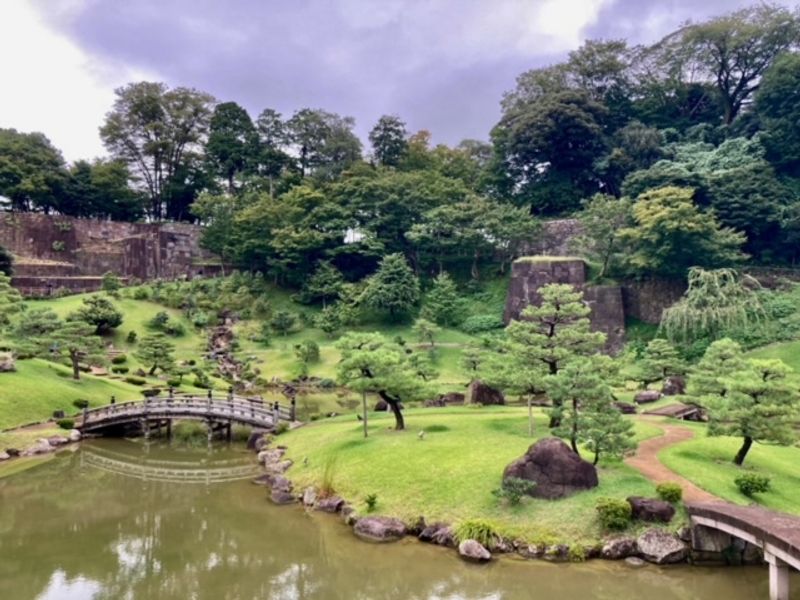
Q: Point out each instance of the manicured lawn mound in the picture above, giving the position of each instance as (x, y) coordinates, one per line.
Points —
(450, 474)
(707, 462)
(788, 352)
(39, 387)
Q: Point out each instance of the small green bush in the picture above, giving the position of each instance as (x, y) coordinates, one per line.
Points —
(371, 501)
(131, 337)
(151, 393)
(141, 293)
(670, 492)
(513, 489)
(476, 529)
(80, 404)
(119, 359)
(66, 423)
(481, 323)
(752, 483)
(120, 370)
(577, 554)
(135, 380)
(174, 382)
(613, 514)
(281, 427)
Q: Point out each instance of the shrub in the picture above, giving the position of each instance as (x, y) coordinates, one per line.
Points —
(613, 514)
(752, 483)
(120, 370)
(476, 529)
(201, 380)
(513, 489)
(160, 319)
(131, 337)
(577, 554)
(371, 501)
(191, 433)
(80, 404)
(481, 323)
(174, 382)
(141, 293)
(66, 423)
(670, 492)
(135, 380)
(119, 359)
(326, 488)
(151, 393)
(281, 427)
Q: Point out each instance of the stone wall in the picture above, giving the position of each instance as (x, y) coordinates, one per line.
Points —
(54, 252)
(646, 299)
(528, 274)
(555, 239)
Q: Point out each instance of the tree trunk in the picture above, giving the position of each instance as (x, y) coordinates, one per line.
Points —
(740, 456)
(364, 410)
(474, 270)
(573, 438)
(76, 372)
(530, 416)
(394, 404)
(153, 370)
(596, 457)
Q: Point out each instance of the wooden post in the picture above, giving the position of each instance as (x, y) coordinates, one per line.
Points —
(169, 429)
(228, 432)
(293, 410)
(276, 414)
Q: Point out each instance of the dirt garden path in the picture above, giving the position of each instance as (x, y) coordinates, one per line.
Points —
(646, 461)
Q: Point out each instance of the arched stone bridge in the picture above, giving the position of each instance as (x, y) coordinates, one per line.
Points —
(162, 411)
(777, 534)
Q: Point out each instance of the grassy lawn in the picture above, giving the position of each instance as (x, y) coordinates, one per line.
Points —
(450, 474)
(788, 352)
(39, 387)
(707, 462)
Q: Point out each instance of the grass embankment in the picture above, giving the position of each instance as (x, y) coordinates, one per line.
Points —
(708, 463)
(788, 352)
(450, 474)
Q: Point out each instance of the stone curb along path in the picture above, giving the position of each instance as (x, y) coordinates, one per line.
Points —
(646, 461)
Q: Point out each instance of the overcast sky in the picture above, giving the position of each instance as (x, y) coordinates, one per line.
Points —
(441, 65)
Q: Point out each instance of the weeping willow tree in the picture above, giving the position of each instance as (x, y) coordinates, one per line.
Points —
(715, 301)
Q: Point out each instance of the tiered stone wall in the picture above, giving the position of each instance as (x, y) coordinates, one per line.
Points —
(54, 252)
(528, 274)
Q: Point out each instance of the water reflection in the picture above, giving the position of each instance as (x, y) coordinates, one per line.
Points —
(71, 530)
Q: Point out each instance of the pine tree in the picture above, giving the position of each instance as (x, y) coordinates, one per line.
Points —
(10, 300)
(324, 284)
(157, 352)
(425, 331)
(443, 305)
(393, 288)
(659, 361)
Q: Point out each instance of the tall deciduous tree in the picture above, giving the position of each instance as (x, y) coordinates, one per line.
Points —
(778, 108)
(671, 234)
(233, 144)
(32, 171)
(602, 218)
(388, 139)
(154, 130)
(325, 142)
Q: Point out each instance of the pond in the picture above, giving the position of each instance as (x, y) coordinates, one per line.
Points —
(118, 519)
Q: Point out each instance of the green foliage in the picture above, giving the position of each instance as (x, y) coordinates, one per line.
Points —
(371, 502)
(120, 370)
(442, 304)
(111, 283)
(326, 489)
(613, 514)
(426, 331)
(480, 530)
(66, 423)
(6, 262)
(10, 300)
(99, 312)
(659, 360)
(119, 359)
(481, 324)
(393, 289)
(283, 321)
(80, 404)
(671, 234)
(307, 352)
(156, 352)
(513, 489)
(135, 380)
(670, 492)
(715, 301)
(778, 109)
(388, 140)
(325, 284)
(602, 219)
(752, 483)
(131, 337)
(754, 399)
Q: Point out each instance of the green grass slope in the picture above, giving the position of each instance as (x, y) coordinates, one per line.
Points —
(450, 474)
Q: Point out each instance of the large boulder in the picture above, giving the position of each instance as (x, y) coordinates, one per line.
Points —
(662, 547)
(651, 509)
(310, 495)
(74, 435)
(57, 440)
(281, 497)
(473, 550)
(331, 504)
(4, 456)
(619, 548)
(480, 393)
(379, 529)
(647, 396)
(555, 468)
(7, 362)
(674, 386)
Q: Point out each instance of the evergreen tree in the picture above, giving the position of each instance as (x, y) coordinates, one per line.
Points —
(602, 219)
(100, 312)
(283, 321)
(45, 335)
(393, 288)
(659, 361)
(10, 300)
(6, 262)
(388, 139)
(443, 305)
(157, 352)
(426, 331)
(324, 284)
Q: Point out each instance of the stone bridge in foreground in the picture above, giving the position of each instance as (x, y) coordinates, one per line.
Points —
(157, 412)
(777, 534)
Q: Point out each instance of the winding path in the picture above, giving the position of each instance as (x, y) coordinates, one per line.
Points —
(647, 463)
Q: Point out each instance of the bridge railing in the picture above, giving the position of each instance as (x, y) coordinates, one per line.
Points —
(229, 407)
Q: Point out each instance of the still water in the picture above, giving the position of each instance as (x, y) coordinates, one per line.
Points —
(113, 520)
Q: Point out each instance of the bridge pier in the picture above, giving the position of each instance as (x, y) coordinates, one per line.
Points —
(169, 429)
(778, 578)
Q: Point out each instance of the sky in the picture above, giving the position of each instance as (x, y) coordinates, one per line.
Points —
(441, 65)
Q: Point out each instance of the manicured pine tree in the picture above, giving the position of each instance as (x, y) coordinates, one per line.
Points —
(443, 305)
(393, 288)
(156, 352)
